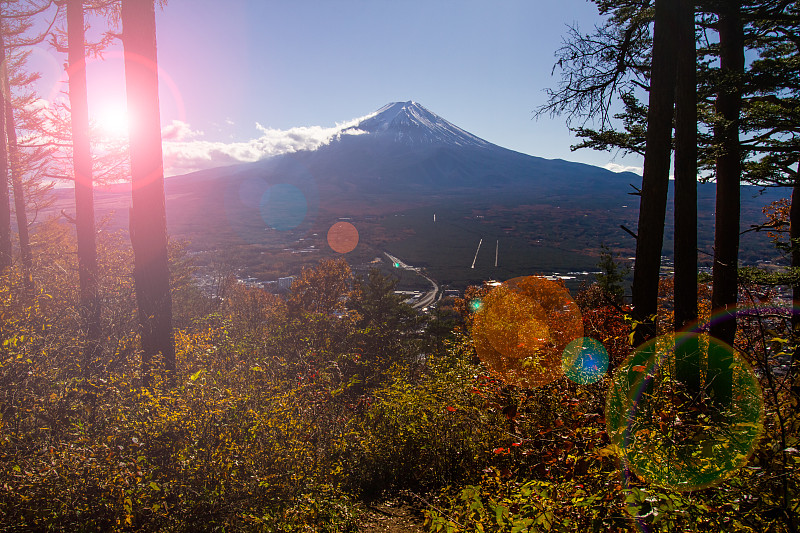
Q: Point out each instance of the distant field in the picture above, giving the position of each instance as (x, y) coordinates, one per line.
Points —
(534, 234)
(447, 248)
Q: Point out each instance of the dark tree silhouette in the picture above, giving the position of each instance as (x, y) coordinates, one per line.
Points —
(685, 213)
(148, 222)
(655, 178)
(728, 169)
(84, 187)
(685, 247)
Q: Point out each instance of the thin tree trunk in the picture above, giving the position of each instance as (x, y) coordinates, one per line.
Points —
(794, 236)
(728, 175)
(728, 172)
(6, 252)
(19, 193)
(84, 188)
(685, 248)
(794, 242)
(655, 179)
(686, 171)
(148, 225)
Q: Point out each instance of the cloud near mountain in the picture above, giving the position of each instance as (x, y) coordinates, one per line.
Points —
(616, 167)
(186, 151)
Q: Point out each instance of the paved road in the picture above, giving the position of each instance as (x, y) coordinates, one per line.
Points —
(429, 297)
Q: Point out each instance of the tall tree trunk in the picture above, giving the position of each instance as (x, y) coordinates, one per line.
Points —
(5, 198)
(794, 236)
(686, 171)
(794, 241)
(84, 189)
(148, 224)
(19, 192)
(685, 249)
(728, 174)
(655, 179)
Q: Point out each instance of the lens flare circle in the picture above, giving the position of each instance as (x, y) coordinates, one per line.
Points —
(684, 411)
(274, 195)
(283, 207)
(343, 237)
(584, 361)
(522, 328)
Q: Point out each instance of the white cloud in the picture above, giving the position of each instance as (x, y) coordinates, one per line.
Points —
(616, 167)
(178, 130)
(185, 150)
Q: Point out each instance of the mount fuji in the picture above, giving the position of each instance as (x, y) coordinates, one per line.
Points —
(404, 147)
(390, 174)
(411, 124)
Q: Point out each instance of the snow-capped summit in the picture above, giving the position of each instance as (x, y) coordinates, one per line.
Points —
(412, 124)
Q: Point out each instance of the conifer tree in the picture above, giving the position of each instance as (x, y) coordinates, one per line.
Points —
(16, 21)
(748, 122)
(17, 186)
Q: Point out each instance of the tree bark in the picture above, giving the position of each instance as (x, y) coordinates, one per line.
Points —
(84, 188)
(19, 194)
(728, 175)
(685, 248)
(794, 241)
(148, 226)
(728, 172)
(655, 179)
(687, 358)
(6, 252)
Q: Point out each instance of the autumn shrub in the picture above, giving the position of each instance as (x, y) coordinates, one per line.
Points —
(498, 505)
(562, 474)
(423, 432)
(237, 441)
(217, 450)
(255, 432)
(565, 476)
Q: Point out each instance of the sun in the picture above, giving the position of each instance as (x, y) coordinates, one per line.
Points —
(112, 121)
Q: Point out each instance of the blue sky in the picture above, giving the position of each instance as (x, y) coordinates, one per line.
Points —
(241, 71)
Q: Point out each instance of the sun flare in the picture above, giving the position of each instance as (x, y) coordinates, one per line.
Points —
(113, 121)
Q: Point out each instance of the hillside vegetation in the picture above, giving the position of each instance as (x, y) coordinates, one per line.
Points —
(296, 413)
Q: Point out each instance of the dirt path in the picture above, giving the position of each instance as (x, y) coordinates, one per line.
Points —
(393, 516)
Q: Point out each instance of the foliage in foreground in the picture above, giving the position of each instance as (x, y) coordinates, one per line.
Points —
(573, 481)
(285, 414)
(280, 410)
